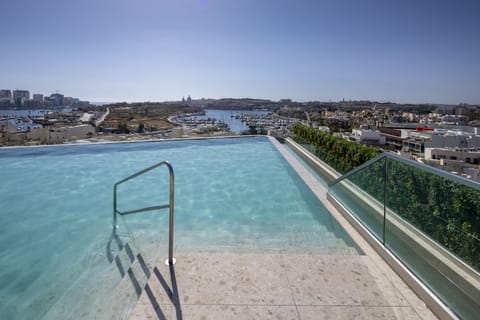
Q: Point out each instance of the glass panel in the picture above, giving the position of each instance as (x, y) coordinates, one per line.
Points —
(432, 224)
(445, 210)
(362, 193)
(427, 212)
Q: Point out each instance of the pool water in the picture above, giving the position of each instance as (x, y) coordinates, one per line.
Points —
(235, 195)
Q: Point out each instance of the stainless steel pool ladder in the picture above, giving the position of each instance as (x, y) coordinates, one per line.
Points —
(170, 205)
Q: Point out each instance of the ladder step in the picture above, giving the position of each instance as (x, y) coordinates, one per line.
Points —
(144, 209)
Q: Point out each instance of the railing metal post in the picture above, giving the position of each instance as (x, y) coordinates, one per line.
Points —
(115, 226)
(385, 177)
(171, 259)
(172, 216)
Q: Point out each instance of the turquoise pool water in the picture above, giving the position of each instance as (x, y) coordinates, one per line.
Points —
(235, 195)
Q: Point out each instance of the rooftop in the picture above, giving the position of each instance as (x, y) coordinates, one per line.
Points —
(278, 286)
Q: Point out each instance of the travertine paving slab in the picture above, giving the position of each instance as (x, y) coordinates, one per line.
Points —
(192, 312)
(338, 280)
(225, 279)
(271, 286)
(146, 311)
(358, 313)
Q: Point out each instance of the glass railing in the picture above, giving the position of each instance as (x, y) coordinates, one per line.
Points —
(426, 217)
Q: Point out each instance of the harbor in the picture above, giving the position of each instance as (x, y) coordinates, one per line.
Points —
(234, 121)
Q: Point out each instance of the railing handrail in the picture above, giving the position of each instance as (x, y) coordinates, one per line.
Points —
(356, 169)
(145, 171)
(169, 205)
(422, 166)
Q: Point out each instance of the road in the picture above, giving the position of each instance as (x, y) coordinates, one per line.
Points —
(102, 118)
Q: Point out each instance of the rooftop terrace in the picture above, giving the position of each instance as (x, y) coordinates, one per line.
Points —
(210, 285)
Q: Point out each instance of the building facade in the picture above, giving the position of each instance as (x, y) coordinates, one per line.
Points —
(20, 97)
(5, 98)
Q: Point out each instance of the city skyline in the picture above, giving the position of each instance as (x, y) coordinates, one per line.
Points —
(107, 51)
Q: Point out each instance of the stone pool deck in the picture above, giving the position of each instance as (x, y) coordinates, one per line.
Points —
(280, 286)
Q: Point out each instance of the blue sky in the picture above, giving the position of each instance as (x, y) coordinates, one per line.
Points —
(154, 50)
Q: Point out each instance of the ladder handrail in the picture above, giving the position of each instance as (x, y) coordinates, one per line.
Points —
(170, 205)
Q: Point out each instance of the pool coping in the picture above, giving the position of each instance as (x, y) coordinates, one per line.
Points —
(92, 143)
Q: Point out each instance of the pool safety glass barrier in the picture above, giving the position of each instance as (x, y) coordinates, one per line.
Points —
(170, 205)
(426, 217)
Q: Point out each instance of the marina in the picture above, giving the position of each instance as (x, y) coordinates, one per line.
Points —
(235, 121)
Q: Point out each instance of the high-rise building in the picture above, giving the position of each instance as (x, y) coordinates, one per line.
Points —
(37, 100)
(23, 94)
(5, 94)
(67, 101)
(20, 97)
(37, 97)
(5, 98)
(57, 98)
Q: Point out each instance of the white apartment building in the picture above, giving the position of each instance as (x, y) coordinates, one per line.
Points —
(59, 135)
(415, 142)
(21, 94)
(457, 146)
(368, 136)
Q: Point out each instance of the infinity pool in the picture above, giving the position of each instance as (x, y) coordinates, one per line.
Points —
(231, 194)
